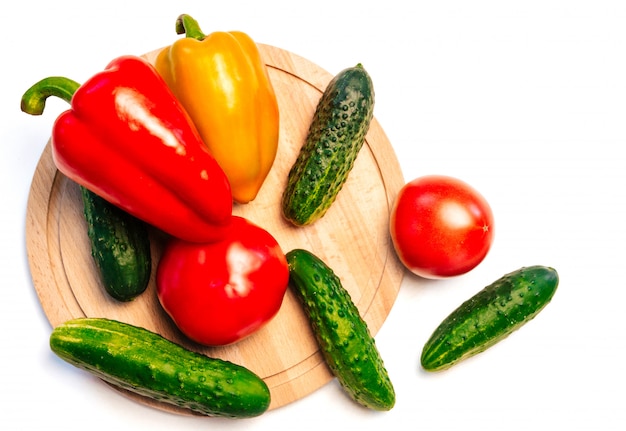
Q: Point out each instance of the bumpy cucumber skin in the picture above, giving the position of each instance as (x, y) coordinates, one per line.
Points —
(490, 316)
(145, 363)
(120, 247)
(344, 338)
(335, 137)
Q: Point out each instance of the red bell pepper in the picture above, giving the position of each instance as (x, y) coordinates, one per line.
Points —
(222, 292)
(128, 139)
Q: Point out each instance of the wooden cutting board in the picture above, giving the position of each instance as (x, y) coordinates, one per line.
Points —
(352, 238)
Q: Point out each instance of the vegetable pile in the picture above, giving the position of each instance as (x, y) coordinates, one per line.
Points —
(172, 147)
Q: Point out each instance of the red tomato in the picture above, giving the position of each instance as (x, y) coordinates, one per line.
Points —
(441, 226)
(219, 293)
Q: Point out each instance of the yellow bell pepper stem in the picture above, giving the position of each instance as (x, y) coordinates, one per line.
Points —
(188, 26)
(224, 85)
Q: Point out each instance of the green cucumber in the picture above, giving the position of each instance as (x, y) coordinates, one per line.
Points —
(334, 139)
(343, 336)
(147, 364)
(490, 316)
(120, 247)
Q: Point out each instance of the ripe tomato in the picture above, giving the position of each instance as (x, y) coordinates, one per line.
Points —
(440, 226)
(219, 293)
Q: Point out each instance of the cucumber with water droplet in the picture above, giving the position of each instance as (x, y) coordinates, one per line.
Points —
(490, 316)
(143, 362)
(335, 137)
(120, 247)
(343, 336)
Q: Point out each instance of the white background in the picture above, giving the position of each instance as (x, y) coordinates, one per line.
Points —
(526, 101)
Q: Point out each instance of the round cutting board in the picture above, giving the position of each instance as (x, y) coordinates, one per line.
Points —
(352, 238)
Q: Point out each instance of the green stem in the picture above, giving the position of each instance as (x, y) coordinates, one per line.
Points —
(189, 26)
(34, 99)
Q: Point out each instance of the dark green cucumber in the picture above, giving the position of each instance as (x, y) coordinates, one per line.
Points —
(120, 247)
(145, 363)
(335, 137)
(490, 316)
(343, 336)
(119, 242)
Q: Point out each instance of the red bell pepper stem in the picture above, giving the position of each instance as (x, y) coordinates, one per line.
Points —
(34, 99)
(190, 27)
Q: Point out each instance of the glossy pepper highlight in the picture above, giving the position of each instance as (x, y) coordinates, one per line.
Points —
(128, 139)
(224, 85)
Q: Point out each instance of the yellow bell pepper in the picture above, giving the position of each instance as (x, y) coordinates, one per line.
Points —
(224, 85)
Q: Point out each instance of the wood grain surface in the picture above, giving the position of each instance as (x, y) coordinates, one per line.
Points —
(352, 238)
